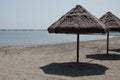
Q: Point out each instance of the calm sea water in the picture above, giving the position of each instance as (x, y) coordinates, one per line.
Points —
(40, 37)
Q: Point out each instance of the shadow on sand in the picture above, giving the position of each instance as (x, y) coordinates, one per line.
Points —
(104, 56)
(74, 69)
(116, 50)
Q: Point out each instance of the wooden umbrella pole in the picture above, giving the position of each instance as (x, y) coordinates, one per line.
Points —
(107, 43)
(77, 48)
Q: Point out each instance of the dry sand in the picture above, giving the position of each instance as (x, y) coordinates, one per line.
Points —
(57, 61)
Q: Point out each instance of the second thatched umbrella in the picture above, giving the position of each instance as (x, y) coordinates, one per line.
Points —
(77, 21)
(112, 23)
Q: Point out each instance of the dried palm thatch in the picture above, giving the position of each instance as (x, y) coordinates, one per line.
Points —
(111, 21)
(77, 20)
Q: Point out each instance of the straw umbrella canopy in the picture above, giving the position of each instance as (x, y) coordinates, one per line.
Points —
(77, 21)
(112, 23)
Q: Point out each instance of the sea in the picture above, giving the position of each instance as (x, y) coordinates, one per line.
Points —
(30, 37)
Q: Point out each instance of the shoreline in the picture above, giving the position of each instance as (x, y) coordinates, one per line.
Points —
(58, 43)
(9, 38)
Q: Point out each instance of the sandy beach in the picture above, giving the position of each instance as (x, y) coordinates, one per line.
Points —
(57, 61)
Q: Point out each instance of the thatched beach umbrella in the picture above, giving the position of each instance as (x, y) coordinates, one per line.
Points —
(112, 23)
(77, 21)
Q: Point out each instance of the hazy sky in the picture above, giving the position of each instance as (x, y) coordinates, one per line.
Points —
(40, 14)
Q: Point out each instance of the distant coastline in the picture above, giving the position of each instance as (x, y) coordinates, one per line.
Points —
(23, 29)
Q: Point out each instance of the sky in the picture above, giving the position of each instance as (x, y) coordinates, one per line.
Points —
(40, 14)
